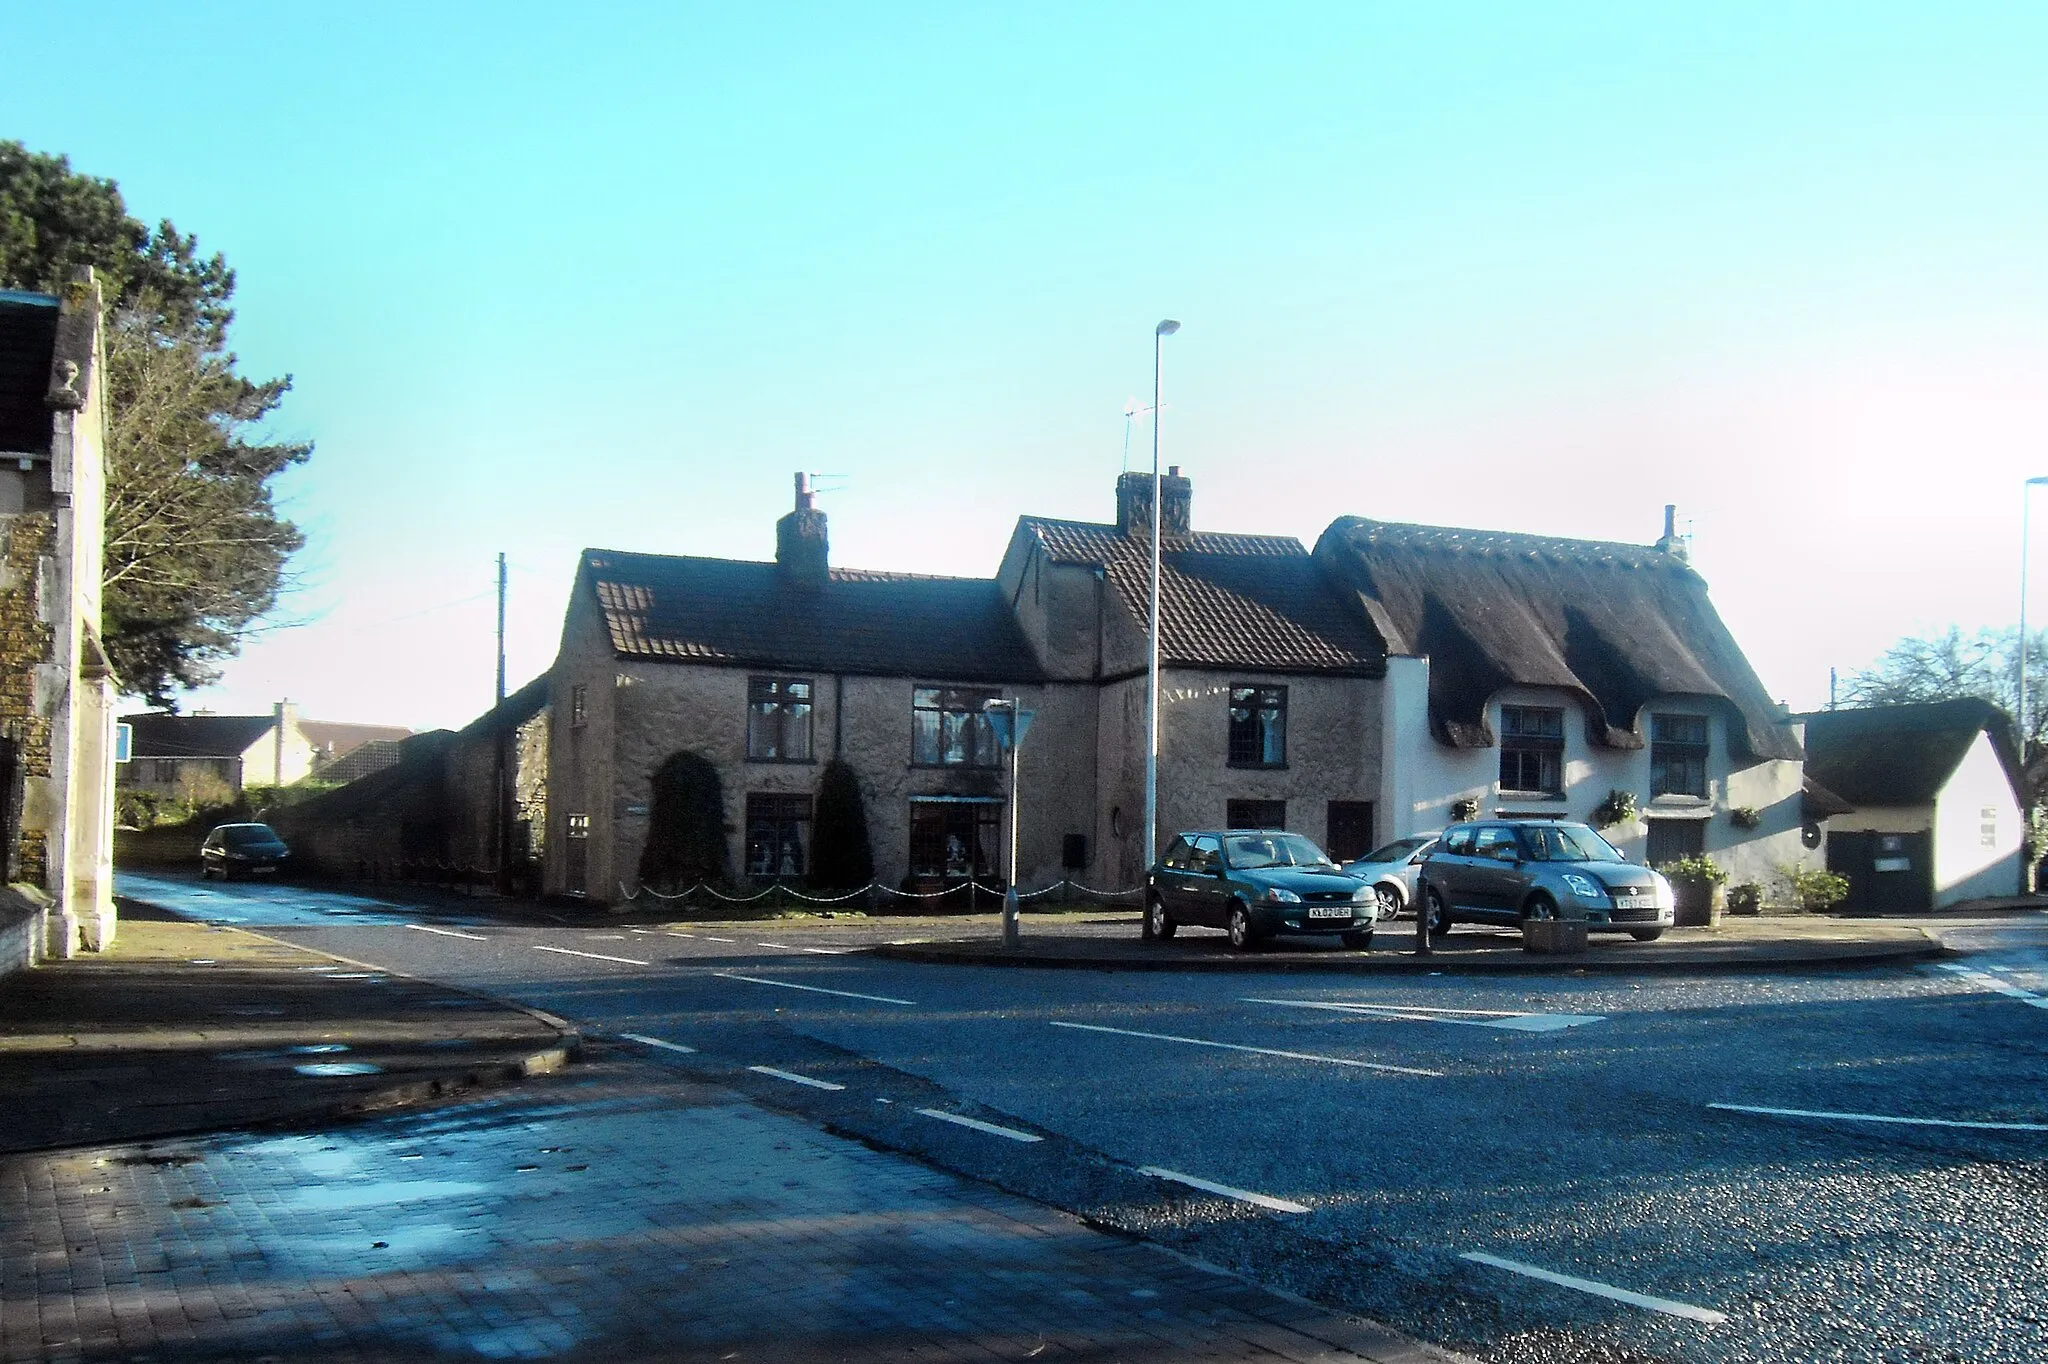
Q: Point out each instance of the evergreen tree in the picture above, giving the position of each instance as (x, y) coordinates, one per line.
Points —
(685, 825)
(842, 858)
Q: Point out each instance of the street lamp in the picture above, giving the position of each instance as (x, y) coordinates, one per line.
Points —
(2026, 506)
(1159, 334)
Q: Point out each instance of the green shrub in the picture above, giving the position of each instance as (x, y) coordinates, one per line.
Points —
(1812, 890)
(1464, 810)
(842, 857)
(1746, 898)
(685, 825)
(1746, 817)
(1695, 867)
(1618, 808)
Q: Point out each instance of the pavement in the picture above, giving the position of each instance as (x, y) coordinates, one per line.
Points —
(1760, 943)
(221, 1146)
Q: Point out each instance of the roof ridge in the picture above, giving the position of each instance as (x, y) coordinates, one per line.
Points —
(1499, 538)
(836, 572)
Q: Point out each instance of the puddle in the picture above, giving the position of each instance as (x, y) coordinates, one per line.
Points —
(329, 1069)
(381, 1193)
(319, 1048)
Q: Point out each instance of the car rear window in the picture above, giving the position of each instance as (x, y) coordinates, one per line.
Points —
(249, 835)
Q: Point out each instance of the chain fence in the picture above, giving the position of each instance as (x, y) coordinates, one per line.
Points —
(872, 889)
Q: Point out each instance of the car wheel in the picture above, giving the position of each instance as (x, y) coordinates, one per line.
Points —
(1242, 938)
(1389, 901)
(1646, 934)
(1361, 939)
(1439, 913)
(1158, 923)
(1539, 907)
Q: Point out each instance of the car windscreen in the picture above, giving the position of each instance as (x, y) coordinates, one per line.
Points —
(249, 836)
(1568, 843)
(1248, 852)
(1397, 850)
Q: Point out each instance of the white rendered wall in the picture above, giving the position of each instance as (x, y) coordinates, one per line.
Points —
(1977, 828)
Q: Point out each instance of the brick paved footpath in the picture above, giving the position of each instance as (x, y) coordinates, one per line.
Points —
(615, 1211)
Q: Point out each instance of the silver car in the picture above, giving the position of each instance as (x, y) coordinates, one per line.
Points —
(1391, 871)
(1507, 871)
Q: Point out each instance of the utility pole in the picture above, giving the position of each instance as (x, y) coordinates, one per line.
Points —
(501, 804)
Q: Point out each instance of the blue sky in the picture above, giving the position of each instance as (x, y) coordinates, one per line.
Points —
(549, 280)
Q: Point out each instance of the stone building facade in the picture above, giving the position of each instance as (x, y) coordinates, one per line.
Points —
(56, 688)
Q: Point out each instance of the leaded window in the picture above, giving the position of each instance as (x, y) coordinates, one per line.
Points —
(1258, 726)
(1532, 749)
(779, 719)
(950, 728)
(1678, 755)
(778, 834)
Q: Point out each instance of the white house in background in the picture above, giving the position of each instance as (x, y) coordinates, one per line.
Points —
(183, 756)
(1936, 789)
(1535, 676)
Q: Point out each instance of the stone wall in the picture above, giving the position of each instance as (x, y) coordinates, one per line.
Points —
(26, 643)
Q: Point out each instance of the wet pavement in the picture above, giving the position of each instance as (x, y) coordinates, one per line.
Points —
(614, 1210)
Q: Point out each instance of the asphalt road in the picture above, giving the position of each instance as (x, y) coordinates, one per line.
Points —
(1849, 1165)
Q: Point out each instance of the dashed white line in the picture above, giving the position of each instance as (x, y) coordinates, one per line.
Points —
(448, 933)
(993, 1129)
(709, 938)
(1470, 1018)
(1883, 1118)
(1991, 982)
(825, 951)
(812, 989)
(647, 1041)
(673, 934)
(594, 956)
(1667, 1306)
(794, 1078)
(1223, 1190)
(1260, 1051)
(779, 946)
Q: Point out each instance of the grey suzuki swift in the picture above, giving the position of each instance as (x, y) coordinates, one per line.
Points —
(1507, 871)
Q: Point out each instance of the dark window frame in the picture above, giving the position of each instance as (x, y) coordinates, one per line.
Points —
(781, 716)
(1678, 761)
(935, 824)
(1258, 725)
(960, 724)
(1530, 749)
(1249, 806)
(778, 834)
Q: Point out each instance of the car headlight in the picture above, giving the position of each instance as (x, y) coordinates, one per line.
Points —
(1585, 887)
(1282, 897)
(1665, 898)
(1362, 896)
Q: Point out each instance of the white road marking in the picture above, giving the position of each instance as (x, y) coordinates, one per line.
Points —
(1471, 1018)
(782, 946)
(709, 938)
(673, 934)
(1879, 1117)
(826, 951)
(795, 1078)
(645, 1040)
(1601, 1290)
(594, 956)
(1991, 982)
(1261, 1051)
(812, 989)
(448, 933)
(993, 1129)
(1225, 1190)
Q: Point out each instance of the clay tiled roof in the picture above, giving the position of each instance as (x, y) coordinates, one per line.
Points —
(728, 611)
(1619, 624)
(1226, 601)
(159, 735)
(1902, 754)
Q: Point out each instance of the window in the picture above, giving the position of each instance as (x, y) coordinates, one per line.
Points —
(954, 840)
(778, 719)
(1532, 749)
(950, 729)
(579, 704)
(1498, 842)
(1258, 726)
(1458, 842)
(1178, 855)
(1255, 814)
(576, 855)
(1671, 839)
(1678, 755)
(778, 834)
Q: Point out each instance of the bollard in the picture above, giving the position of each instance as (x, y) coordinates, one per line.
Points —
(1422, 926)
(1011, 937)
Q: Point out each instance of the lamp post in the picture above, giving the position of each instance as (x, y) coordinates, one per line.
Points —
(1159, 334)
(2026, 507)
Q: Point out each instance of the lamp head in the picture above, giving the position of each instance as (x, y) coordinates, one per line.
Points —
(2032, 482)
(1166, 328)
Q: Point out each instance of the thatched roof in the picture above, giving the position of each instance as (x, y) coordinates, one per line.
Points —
(1618, 625)
(1903, 754)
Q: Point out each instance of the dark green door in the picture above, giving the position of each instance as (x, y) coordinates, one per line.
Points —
(1888, 873)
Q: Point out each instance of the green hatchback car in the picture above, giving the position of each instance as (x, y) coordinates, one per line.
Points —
(1253, 884)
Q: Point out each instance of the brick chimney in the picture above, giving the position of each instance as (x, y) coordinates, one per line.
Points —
(1134, 504)
(1672, 542)
(800, 539)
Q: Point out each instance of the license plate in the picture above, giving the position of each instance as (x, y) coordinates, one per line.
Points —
(1635, 902)
(263, 871)
(1332, 912)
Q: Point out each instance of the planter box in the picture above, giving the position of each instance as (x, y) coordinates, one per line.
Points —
(1554, 937)
(1698, 904)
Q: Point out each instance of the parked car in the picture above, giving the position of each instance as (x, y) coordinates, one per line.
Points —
(233, 850)
(1507, 871)
(1254, 883)
(1391, 871)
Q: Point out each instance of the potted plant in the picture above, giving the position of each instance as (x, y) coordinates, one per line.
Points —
(1560, 934)
(1746, 897)
(1618, 808)
(1746, 817)
(1698, 887)
(1464, 810)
